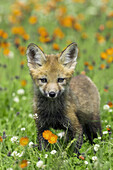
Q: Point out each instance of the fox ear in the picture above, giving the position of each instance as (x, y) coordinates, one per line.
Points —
(69, 55)
(35, 56)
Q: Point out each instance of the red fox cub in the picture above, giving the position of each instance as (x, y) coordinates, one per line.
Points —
(62, 101)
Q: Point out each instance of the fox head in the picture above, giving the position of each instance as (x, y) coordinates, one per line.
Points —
(52, 73)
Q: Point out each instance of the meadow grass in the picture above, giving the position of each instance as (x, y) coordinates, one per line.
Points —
(90, 25)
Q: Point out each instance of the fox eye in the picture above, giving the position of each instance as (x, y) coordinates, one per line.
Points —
(43, 80)
(60, 80)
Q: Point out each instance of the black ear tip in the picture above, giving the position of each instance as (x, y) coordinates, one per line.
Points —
(31, 45)
(74, 44)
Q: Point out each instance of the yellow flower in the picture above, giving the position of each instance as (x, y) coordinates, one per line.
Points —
(24, 141)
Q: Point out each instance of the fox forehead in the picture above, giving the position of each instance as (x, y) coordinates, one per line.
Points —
(51, 68)
(52, 62)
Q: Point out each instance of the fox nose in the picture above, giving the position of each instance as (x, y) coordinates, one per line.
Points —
(52, 94)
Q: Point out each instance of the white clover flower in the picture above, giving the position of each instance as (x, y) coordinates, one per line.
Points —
(35, 116)
(39, 164)
(9, 168)
(16, 99)
(105, 132)
(65, 161)
(106, 107)
(13, 94)
(30, 115)
(20, 154)
(23, 129)
(14, 153)
(31, 144)
(11, 55)
(96, 147)
(94, 158)
(46, 155)
(14, 139)
(86, 162)
(99, 137)
(24, 97)
(11, 108)
(108, 126)
(53, 152)
(61, 134)
(110, 110)
(20, 91)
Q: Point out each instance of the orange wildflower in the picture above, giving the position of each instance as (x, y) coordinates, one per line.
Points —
(12, 19)
(109, 24)
(58, 33)
(18, 30)
(77, 26)
(110, 15)
(81, 157)
(42, 31)
(101, 27)
(90, 67)
(80, 16)
(110, 59)
(46, 134)
(17, 41)
(22, 63)
(83, 72)
(25, 36)
(110, 104)
(84, 35)
(44, 39)
(1, 139)
(24, 141)
(62, 10)
(56, 46)
(67, 21)
(23, 83)
(22, 50)
(86, 63)
(5, 44)
(53, 139)
(79, 1)
(33, 20)
(108, 128)
(109, 51)
(106, 90)
(100, 39)
(17, 12)
(23, 164)
(103, 55)
(102, 66)
(6, 51)
(4, 35)
(1, 32)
